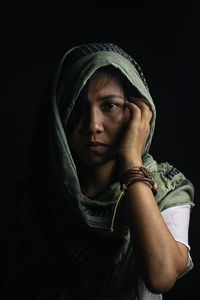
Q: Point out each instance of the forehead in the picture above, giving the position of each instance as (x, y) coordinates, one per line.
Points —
(105, 81)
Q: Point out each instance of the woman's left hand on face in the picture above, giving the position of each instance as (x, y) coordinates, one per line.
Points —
(135, 137)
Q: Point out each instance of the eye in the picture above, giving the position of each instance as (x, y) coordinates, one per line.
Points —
(110, 106)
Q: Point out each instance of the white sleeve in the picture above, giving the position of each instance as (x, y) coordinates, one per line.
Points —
(177, 219)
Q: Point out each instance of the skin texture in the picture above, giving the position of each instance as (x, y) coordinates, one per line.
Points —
(124, 128)
(104, 120)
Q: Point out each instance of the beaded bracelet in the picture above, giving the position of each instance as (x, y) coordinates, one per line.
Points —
(130, 176)
(138, 173)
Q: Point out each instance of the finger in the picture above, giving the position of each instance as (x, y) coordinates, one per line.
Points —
(146, 114)
(140, 112)
(141, 102)
(146, 111)
(135, 111)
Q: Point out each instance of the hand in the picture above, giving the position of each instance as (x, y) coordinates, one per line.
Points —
(134, 140)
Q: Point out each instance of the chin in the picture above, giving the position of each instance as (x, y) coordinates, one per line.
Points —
(92, 160)
(95, 161)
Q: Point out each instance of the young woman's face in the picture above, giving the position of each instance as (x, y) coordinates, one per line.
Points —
(96, 138)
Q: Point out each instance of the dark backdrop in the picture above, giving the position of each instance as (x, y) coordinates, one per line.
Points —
(162, 38)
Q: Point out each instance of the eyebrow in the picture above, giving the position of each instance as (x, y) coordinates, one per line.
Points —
(111, 96)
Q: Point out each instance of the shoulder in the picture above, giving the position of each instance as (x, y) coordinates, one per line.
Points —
(171, 176)
(173, 187)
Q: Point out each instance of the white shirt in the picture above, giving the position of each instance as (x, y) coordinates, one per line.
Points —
(177, 219)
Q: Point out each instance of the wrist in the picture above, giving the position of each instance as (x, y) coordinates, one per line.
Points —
(135, 174)
(126, 164)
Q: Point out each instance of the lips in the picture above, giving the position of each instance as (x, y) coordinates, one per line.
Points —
(96, 146)
(95, 143)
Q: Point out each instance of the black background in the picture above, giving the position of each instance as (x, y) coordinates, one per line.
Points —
(163, 38)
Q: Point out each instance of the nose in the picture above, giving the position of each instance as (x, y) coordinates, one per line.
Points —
(93, 121)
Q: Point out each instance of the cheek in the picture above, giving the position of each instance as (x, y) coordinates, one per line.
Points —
(122, 117)
(118, 123)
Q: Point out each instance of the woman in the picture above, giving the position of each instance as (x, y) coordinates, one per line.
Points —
(99, 217)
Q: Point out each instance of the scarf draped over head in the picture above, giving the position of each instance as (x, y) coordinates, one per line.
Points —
(75, 69)
(69, 82)
(61, 229)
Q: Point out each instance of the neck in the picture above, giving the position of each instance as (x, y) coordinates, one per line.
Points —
(95, 179)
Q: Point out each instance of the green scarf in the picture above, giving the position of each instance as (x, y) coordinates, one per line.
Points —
(71, 233)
